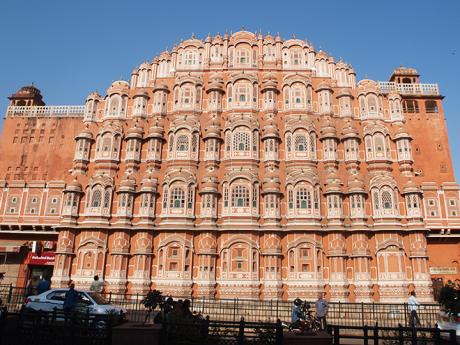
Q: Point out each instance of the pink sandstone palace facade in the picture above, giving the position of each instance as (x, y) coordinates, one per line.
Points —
(240, 165)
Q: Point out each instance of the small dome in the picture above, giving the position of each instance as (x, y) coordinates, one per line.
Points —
(144, 65)
(212, 130)
(410, 187)
(328, 130)
(271, 182)
(270, 131)
(135, 132)
(74, 186)
(323, 86)
(401, 133)
(119, 86)
(128, 184)
(161, 87)
(141, 93)
(156, 130)
(344, 93)
(93, 96)
(349, 131)
(333, 184)
(85, 133)
(149, 184)
(210, 182)
(356, 185)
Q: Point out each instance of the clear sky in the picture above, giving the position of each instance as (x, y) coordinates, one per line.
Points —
(70, 48)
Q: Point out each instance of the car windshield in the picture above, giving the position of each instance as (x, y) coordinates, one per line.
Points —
(98, 298)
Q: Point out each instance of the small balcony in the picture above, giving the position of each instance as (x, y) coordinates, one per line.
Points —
(409, 89)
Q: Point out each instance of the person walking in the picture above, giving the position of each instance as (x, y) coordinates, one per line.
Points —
(97, 285)
(321, 311)
(71, 298)
(412, 304)
(44, 285)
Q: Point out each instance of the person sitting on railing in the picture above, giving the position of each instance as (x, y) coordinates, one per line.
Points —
(412, 304)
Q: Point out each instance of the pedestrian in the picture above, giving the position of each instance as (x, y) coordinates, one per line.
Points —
(321, 311)
(44, 285)
(32, 286)
(296, 311)
(97, 285)
(71, 298)
(412, 304)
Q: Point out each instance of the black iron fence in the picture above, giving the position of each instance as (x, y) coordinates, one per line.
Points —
(343, 314)
(393, 335)
(57, 328)
(202, 332)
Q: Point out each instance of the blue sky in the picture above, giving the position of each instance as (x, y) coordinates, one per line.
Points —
(70, 48)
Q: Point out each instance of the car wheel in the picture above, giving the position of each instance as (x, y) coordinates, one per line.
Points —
(100, 323)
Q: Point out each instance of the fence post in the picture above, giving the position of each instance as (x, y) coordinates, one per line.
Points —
(277, 314)
(110, 297)
(336, 335)
(414, 334)
(234, 309)
(437, 335)
(279, 332)
(366, 335)
(10, 293)
(362, 314)
(405, 315)
(376, 334)
(453, 337)
(400, 335)
(240, 338)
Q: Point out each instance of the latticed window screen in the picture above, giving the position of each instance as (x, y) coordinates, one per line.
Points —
(240, 196)
(376, 200)
(194, 143)
(288, 143)
(177, 198)
(300, 143)
(241, 141)
(182, 143)
(97, 198)
(387, 202)
(107, 198)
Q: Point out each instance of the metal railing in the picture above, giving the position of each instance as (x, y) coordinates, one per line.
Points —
(409, 89)
(46, 111)
(393, 335)
(342, 314)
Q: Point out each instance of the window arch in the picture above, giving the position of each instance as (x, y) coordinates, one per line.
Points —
(241, 197)
(184, 145)
(384, 202)
(241, 142)
(243, 56)
(96, 200)
(377, 146)
(179, 199)
(303, 200)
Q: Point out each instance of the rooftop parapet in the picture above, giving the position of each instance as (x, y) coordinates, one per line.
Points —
(409, 89)
(46, 111)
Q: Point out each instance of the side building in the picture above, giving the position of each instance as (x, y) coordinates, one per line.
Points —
(237, 166)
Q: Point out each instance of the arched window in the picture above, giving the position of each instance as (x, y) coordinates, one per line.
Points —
(96, 198)
(177, 198)
(240, 196)
(190, 58)
(296, 57)
(114, 107)
(242, 56)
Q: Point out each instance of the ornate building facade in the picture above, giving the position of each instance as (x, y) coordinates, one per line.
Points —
(239, 166)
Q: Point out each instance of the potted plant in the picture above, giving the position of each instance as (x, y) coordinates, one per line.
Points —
(145, 333)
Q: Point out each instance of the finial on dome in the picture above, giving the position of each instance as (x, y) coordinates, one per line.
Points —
(193, 35)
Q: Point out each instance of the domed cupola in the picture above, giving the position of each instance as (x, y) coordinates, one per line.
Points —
(356, 195)
(271, 140)
(209, 195)
(72, 196)
(141, 98)
(271, 192)
(133, 139)
(83, 142)
(155, 139)
(126, 196)
(116, 102)
(212, 140)
(404, 150)
(329, 138)
(412, 194)
(91, 105)
(351, 139)
(333, 192)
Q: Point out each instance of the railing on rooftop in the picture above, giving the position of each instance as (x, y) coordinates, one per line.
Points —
(46, 111)
(409, 89)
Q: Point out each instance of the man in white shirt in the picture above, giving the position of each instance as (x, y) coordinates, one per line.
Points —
(97, 285)
(412, 304)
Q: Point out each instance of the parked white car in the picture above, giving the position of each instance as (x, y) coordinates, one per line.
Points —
(446, 322)
(89, 301)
